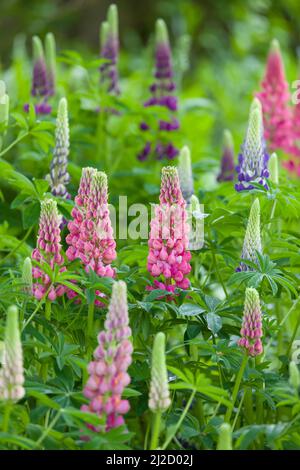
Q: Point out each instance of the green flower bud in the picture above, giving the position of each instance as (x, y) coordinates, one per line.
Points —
(27, 276)
(159, 396)
(273, 168)
(225, 437)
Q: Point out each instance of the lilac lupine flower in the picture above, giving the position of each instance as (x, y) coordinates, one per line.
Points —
(59, 176)
(252, 241)
(108, 371)
(162, 95)
(12, 372)
(227, 163)
(159, 395)
(253, 159)
(40, 89)
(109, 38)
(251, 330)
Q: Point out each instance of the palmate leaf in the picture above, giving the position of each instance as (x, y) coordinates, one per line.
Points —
(199, 383)
(265, 270)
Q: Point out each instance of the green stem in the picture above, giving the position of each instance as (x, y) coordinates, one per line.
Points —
(186, 409)
(259, 399)
(6, 416)
(199, 412)
(248, 405)
(48, 310)
(90, 321)
(155, 430)
(236, 389)
(15, 142)
(293, 336)
(18, 246)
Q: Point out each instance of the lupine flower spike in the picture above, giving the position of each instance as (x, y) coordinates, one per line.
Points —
(109, 39)
(48, 250)
(162, 91)
(12, 372)
(227, 162)
(59, 176)
(91, 234)
(195, 218)
(253, 159)
(275, 97)
(251, 331)
(41, 87)
(108, 371)
(225, 437)
(169, 258)
(294, 376)
(159, 395)
(27, 276)
(50, 52)
(273, 169)
(185, 174)
(252, 241)
(4, 110)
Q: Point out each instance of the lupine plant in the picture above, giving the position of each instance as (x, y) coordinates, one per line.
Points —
(149, 305)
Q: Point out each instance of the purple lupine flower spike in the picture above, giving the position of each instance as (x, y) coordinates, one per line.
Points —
(40, 83)
(109, 38)
(251, 330)
(162, 95)
(253, 159)
(108, 371)
(227, 162)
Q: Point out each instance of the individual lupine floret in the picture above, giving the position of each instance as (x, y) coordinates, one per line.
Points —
(159, 395)
(169, 258)
(48, 251)
(252, 241)
(162, 91)
(253, 159)
(12, 372)
(275, 97)
(185, 173)
(59, 176)
(108, 371)
(4, 110)
(251, 331)
(227, 161)
(109, 38)
(27, 276)
(50, 52)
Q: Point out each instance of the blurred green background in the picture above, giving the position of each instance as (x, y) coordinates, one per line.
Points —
(216, 26)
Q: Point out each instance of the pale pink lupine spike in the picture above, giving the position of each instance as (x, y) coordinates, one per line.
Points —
(275, 97)
(108, 371)
(48, 250)
(169, 258)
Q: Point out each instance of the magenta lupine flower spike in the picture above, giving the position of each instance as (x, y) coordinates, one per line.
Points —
(252, 241)
(91, 234)
(108, 371)
(275, 97)
(253, 159)
(169, 258)
(251, 330)
(109, 38)
(162, 91)
(227, 162)
(59, 176)
(12, 372)
(40, 89)
(48, 250)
